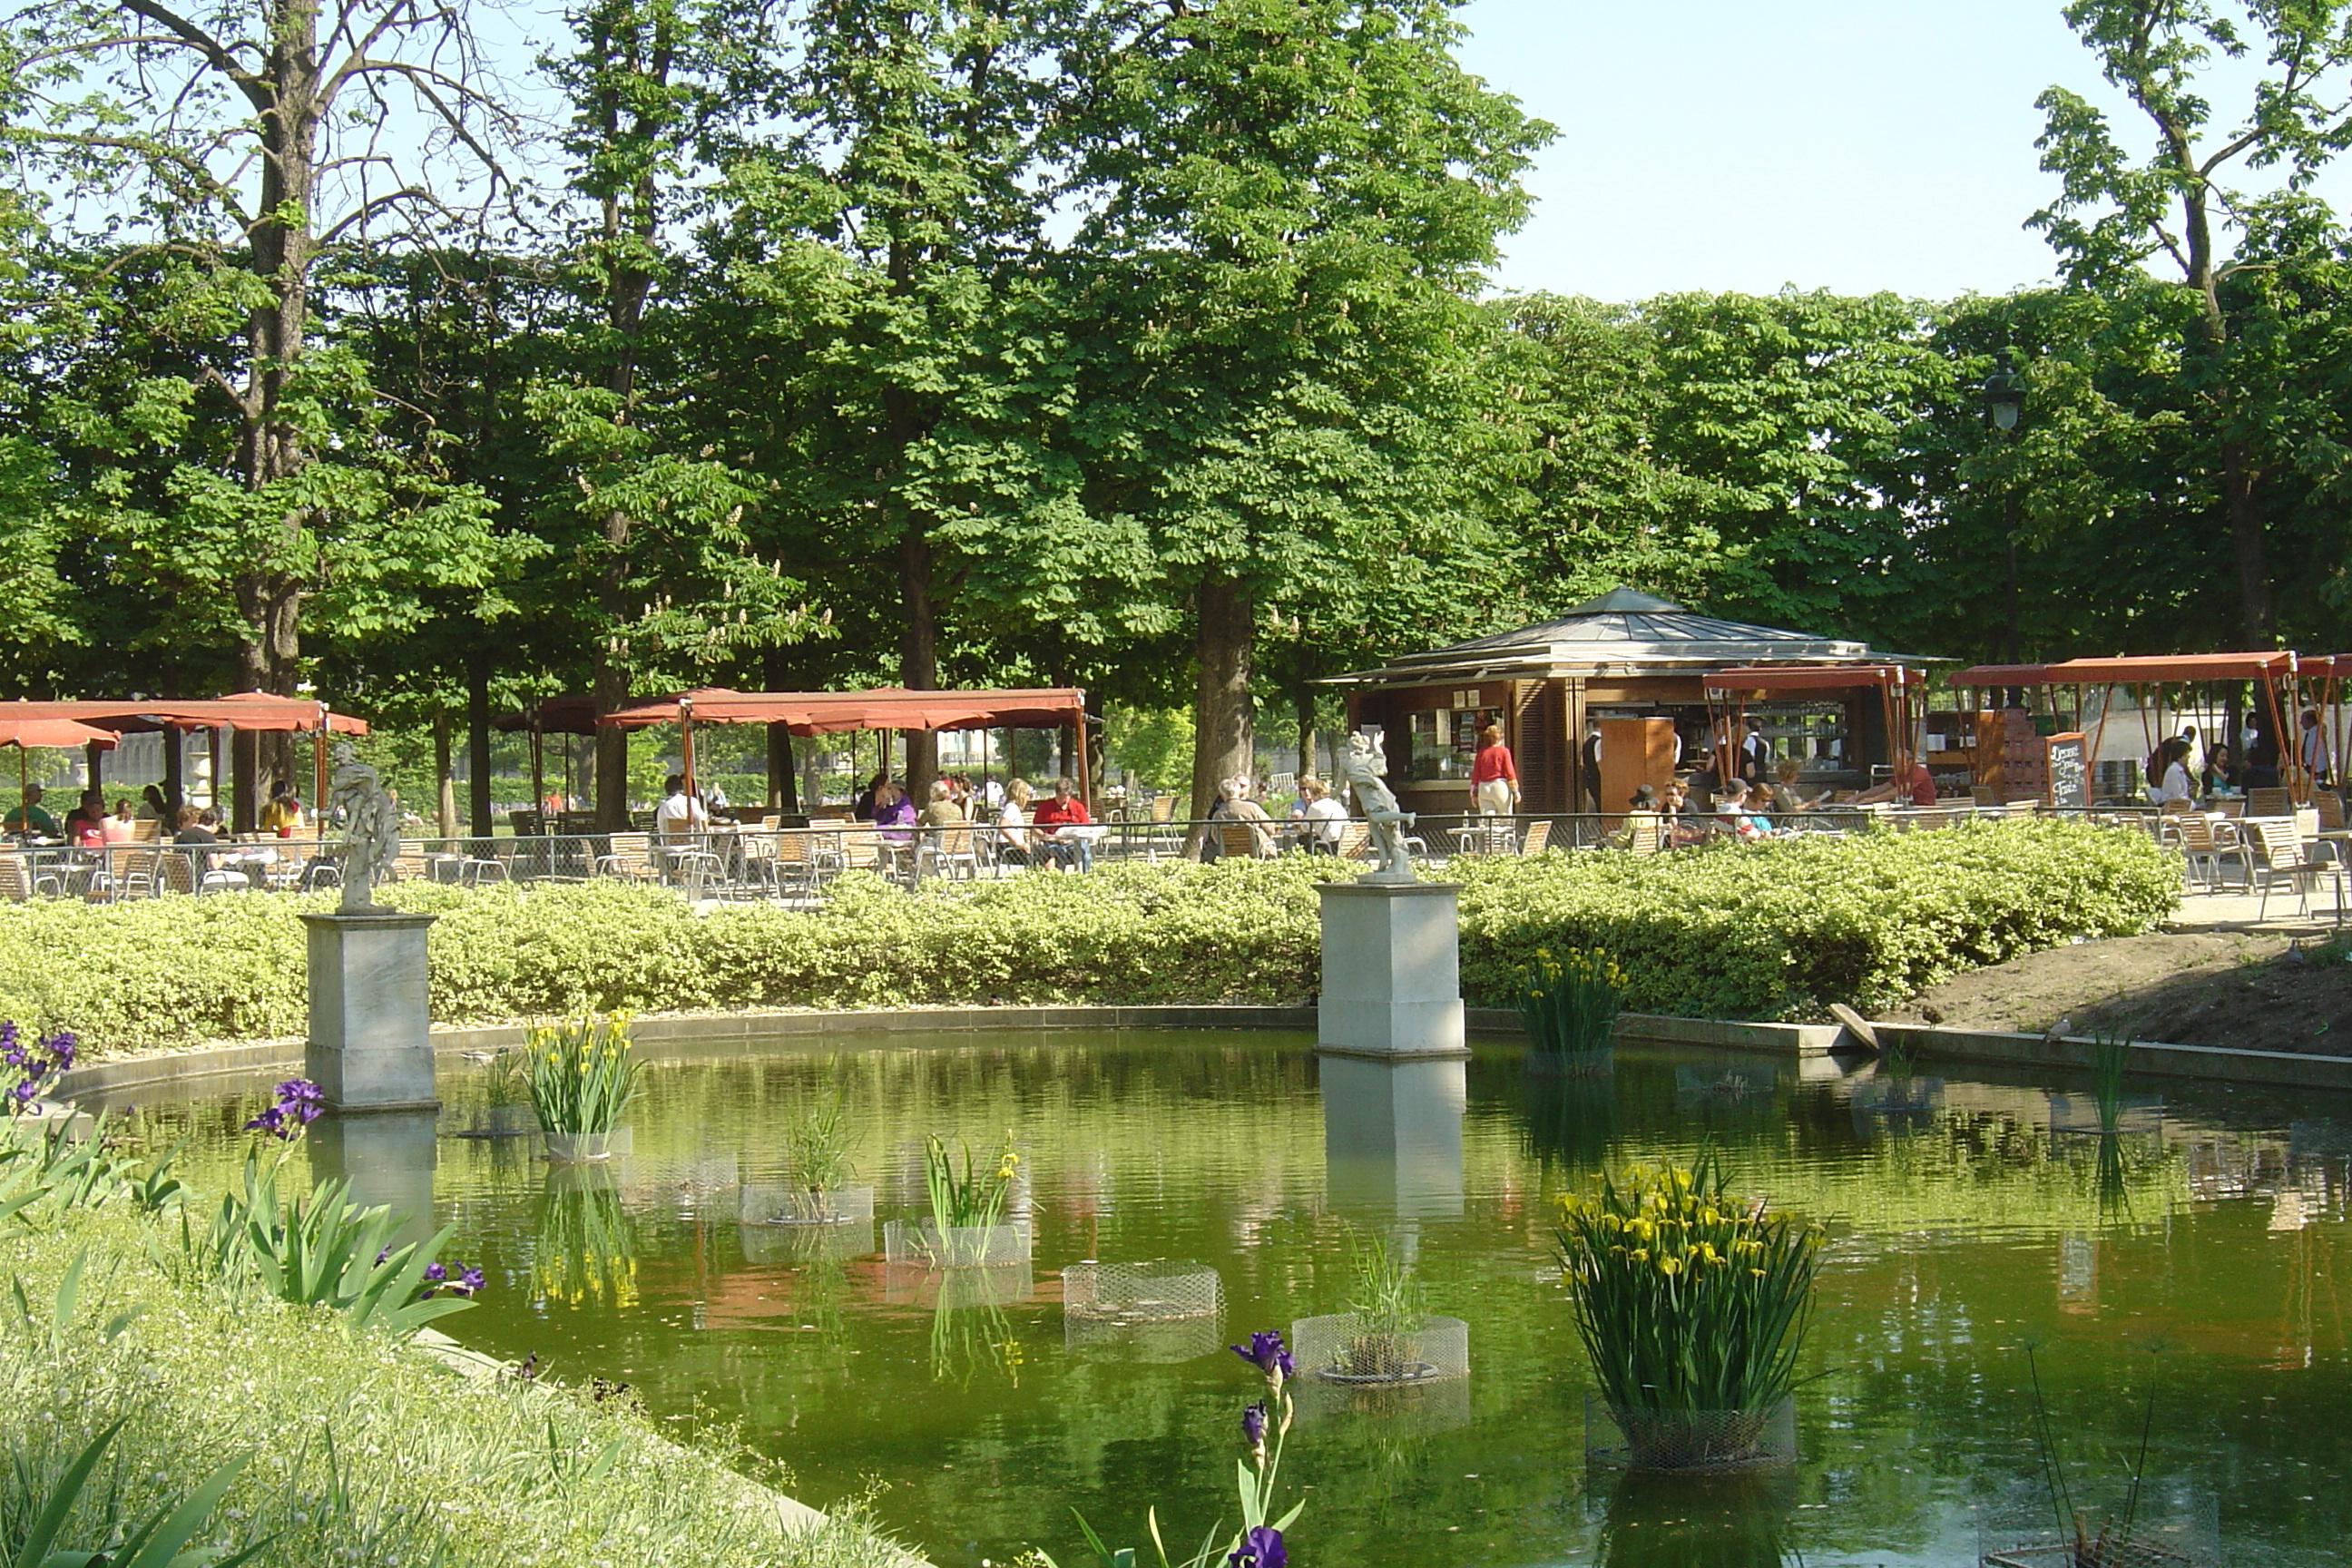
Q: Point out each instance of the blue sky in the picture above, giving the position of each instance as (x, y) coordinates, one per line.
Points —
(1846, 144)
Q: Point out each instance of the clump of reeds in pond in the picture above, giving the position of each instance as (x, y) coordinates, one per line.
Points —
(1692, 1306)
(1388, 1309)
(583, 1074)
(1570, 1004)
(816, 1151)
(967, 1203)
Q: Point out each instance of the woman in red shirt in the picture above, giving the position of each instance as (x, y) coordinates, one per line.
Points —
(1492, 778)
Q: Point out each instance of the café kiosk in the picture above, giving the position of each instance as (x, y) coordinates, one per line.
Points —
(1634, 666)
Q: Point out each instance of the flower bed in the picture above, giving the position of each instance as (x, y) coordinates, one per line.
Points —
(1761, 931)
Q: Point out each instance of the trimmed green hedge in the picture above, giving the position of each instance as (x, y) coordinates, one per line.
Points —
(1761, 931)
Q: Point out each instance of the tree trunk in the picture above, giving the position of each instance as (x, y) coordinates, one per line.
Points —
(919, 651)
(445, 778)
(477, 742)
(1223, 741)
(784, 788)
(611, 690)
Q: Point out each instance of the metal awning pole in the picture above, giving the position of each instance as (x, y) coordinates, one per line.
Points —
(685, 743)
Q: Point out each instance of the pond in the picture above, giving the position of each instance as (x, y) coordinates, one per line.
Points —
(1969, 1219)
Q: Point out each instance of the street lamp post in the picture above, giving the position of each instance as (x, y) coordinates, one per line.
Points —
(2004, 396)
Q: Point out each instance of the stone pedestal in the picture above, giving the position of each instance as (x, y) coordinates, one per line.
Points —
(371, 1042)
(1391, 970)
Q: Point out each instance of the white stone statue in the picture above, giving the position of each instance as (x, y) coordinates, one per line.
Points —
(371, 829)
(1364, 767)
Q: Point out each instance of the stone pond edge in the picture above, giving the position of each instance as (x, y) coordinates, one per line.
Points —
(681, 1032)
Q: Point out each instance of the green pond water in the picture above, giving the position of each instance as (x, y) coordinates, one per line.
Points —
(2206, 1250)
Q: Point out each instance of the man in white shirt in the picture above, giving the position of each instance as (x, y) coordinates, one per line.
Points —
(679, 813)
(2317, 763)
(1324, 817)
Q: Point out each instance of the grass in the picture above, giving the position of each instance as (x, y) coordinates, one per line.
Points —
(1570, 1004)
(349, 1447)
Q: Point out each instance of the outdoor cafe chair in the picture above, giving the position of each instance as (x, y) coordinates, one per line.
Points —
(139, 873)
(2279, 855)
(2204, 844)
(19, 882)
(628, 857)
(2269, 803)
(946, 852)
(1242, 839)
(1537, 835)
(190, 871)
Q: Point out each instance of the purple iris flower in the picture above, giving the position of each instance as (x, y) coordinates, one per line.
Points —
(469, 1282)
(1261, 1548)
(272, 1122)
(382, 1255)
(1265, 1353)
(1254, 1424)
(437, 1272)
(61, 1049)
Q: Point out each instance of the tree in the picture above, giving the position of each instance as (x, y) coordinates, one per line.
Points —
(246, 147)
(2116, 211)
(1289, 206)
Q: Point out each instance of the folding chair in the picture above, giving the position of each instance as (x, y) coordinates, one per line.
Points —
(2279, 854)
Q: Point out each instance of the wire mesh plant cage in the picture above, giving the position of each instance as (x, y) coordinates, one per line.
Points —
(991, 1285)
(2170, 1524)
(1691, 1441)
(789, 1204)
(2078, 1116)
(496, 1121)
(1395, 1409)
(1350, 1349)
(1158, 1312)
(691, 1178)
(793, 1244)
(961, 1247)
(1726, 1084)
(1601, 1063)
(581, 1148)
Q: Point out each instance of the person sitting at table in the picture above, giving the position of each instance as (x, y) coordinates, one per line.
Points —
(1065, 810)
(1646, 813)
(2173, 782)
(861, 809)
(2221, 775)
(1784, 787)
(1732, 816)
(943, 810)
(154, 807)
(31, 818)
(679, 813)
(893, 812)
(1326, 816)
(85, 823)
(1233, 804)
(122, 826)
(1015, 845)
(1914, 786)
(283, 814)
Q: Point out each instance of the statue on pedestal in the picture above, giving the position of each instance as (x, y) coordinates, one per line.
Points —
(371, 829)
(1365, 765)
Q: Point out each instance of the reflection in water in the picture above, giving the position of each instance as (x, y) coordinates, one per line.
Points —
(388, 1156)
(585, 1254)
(1393, 1136)
(1698, 1520)
(1570, 1121)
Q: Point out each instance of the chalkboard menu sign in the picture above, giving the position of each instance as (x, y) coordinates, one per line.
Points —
(2069, 772)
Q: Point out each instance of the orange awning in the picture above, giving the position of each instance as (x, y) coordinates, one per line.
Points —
(245, 711)
(884, 708)
(59, 734)
(2003, 675)
(1811, 678)
(2156, 669)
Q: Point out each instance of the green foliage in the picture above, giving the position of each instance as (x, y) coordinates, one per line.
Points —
(1383, 1296)
(816, 1145)
(1762, 930)
(325, 1251)
(1569, 1002)
(1687, 1298)
(582, 1075)
(160, 1541)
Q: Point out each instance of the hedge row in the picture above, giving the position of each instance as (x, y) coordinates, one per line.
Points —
(1764, 931)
